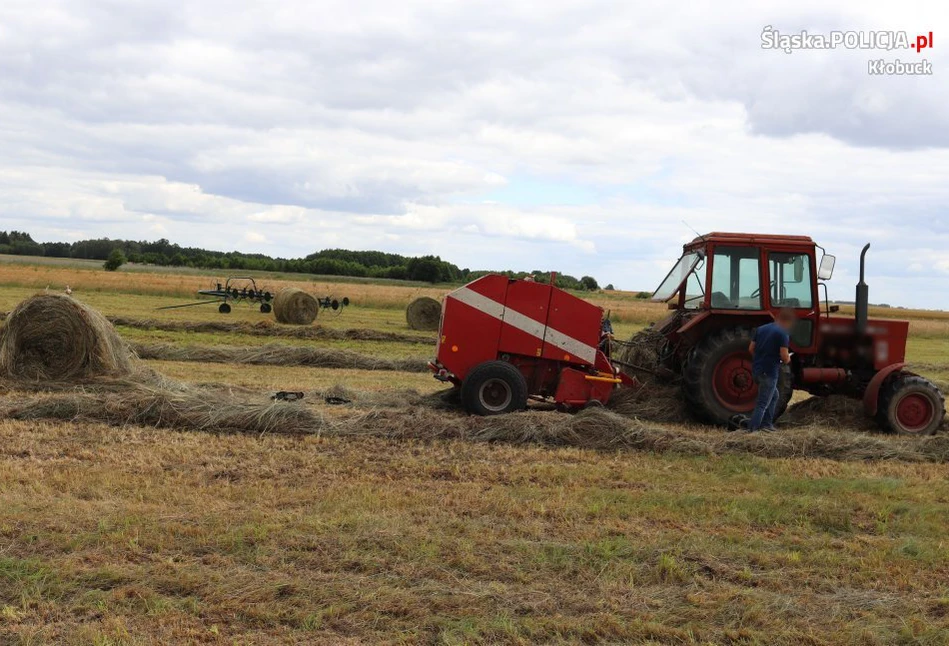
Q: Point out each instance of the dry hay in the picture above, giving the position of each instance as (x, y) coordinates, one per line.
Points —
(423, 313)
(142, 398)
(196, 409)
(655, 401)
(601, 429)
(833, 411)
(268, 329)
(52, 337)
(660, 399)
(218, 410)
(643, 351)
(295, 306)
(274, 354)
(447, 399)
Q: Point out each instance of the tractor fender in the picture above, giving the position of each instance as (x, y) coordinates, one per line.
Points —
(871, 395)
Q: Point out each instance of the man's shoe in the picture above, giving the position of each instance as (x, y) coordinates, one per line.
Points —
(769, 429)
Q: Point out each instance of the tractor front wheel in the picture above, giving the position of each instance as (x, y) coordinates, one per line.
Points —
(493, 388)
(910, 405)
(717, 379)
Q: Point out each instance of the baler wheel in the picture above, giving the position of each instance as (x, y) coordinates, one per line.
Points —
(910, 405)
(224, 308)
(493, 388)
(717, 379)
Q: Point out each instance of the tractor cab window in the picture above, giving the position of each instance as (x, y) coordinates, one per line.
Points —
(736, 278)
(790, 275)
(674, 279)
(694, 291)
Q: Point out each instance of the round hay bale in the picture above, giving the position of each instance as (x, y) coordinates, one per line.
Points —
(52, 337)
(295, 306)
(423, 313)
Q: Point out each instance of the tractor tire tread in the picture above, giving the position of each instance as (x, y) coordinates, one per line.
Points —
(696, 377)
(902, 381)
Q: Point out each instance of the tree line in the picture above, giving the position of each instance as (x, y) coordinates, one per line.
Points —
(328, 262)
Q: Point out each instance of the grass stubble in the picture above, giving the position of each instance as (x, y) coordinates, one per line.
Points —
(395, 518)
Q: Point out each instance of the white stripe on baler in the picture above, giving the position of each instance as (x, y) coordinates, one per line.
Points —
(479, 302)
(571, 345)
(525, 323)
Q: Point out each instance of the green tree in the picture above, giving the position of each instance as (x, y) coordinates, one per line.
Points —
(426, 268)
(589, 283)
(115, 260)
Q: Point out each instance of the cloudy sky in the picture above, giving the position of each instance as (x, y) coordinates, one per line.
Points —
(526, 135)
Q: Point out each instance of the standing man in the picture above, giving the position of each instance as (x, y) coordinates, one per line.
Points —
(769, 350)
(606, 335)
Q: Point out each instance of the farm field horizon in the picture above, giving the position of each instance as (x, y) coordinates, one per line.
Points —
(126, 533)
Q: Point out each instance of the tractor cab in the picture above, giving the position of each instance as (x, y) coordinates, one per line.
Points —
(748, 276)
(724, 285)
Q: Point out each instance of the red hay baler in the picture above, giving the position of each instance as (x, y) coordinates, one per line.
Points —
(503, 341)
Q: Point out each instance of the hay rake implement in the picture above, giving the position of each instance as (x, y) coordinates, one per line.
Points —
(243, 289)
(236, 289)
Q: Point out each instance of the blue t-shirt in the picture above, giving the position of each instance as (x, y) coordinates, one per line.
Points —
(769, 339)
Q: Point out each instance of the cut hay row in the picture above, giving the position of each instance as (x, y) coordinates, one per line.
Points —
(268, 329)
(102, 381)
(601, 429)
(276, 355)
(595, 429)
(834, 411)
(191, 409)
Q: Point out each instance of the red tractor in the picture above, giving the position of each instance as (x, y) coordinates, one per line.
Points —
(503, 341)
(726, 284)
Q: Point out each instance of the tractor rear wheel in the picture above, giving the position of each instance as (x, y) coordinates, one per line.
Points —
(493, 388)
(717, 379)
(910, 405)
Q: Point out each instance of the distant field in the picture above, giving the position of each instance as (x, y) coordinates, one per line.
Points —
(179, 285)
(122, 534)
(80, 263)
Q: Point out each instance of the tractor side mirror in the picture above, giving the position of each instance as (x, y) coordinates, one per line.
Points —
(826, 267)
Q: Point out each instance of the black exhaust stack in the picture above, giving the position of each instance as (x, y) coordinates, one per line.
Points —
(862, 305)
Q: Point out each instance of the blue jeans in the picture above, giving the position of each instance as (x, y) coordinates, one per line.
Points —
(767, 402)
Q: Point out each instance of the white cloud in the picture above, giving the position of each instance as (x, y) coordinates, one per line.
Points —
(495, 135)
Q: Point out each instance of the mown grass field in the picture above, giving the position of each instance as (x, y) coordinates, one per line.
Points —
(135, 535)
